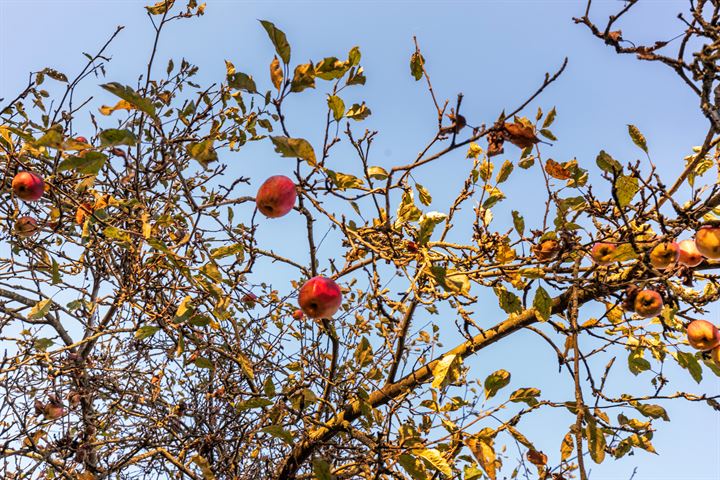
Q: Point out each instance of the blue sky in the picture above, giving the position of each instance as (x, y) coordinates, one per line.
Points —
(494, 52)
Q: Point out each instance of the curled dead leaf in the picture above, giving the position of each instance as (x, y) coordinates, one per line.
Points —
(537, 458)
(556, 170)
(84, 210)
(495, 144)
(520, 135)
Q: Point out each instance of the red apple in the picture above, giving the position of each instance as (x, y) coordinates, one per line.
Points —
(276, 197)
(249, 299)
(664, 255)
(602, 253)
(546, 250)
(26, 226)
(80, 139)
(707, 241)
(53, 411)
(320, 297)
(648, 303)
(703, 335)
(28, 186)
(690, 256)
(297, 314)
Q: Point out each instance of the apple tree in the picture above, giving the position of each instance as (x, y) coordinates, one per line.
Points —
(143, 338)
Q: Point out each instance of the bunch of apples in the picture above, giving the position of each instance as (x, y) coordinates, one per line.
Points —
(320, 297)
(690, 253)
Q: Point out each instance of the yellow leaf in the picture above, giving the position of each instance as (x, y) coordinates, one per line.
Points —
(121, 105)
(276, 73)
(441, 369)
(485, 455)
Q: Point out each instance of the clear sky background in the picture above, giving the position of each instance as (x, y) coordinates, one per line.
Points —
(495, 52)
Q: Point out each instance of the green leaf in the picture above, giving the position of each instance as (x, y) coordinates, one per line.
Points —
(126, 93)
(363, 353)
(596, 442)
(710, 364)
(184, 310)
(689, 362)
(279, 40)
(278, 431)
(424, 195)
(607, 163)
(242, 81)
(52, 138)
(527, 395)
(337, 106)
(358, 112)
(526, 162)
(42, 344)
(228, 250)
(117, 234)
(416, 65)
(40, 309)
(634, 440)
(550, 118)
(295, 147)
(321, 469)
(113, 137)
(407, 211)
(303, 78)
(508, 301)
(436, 459)
(202, 362)
(89, 164)
(203, 152)
(637, 363)
(55, 75)
(427, 223)
(637, 138)
(623, 253)
(160, 7)
(651, 411)
(495, 381)
(55, 272)
(505, 171)
(356, 77)
(344, 181)
(413, 466)
(548, 134)
(518, 222)
(542, 303)
(269, 387)
(331, 68)
(625, 188)
(520, 437)
(354, 56)
(145, 332)
(255, 402)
